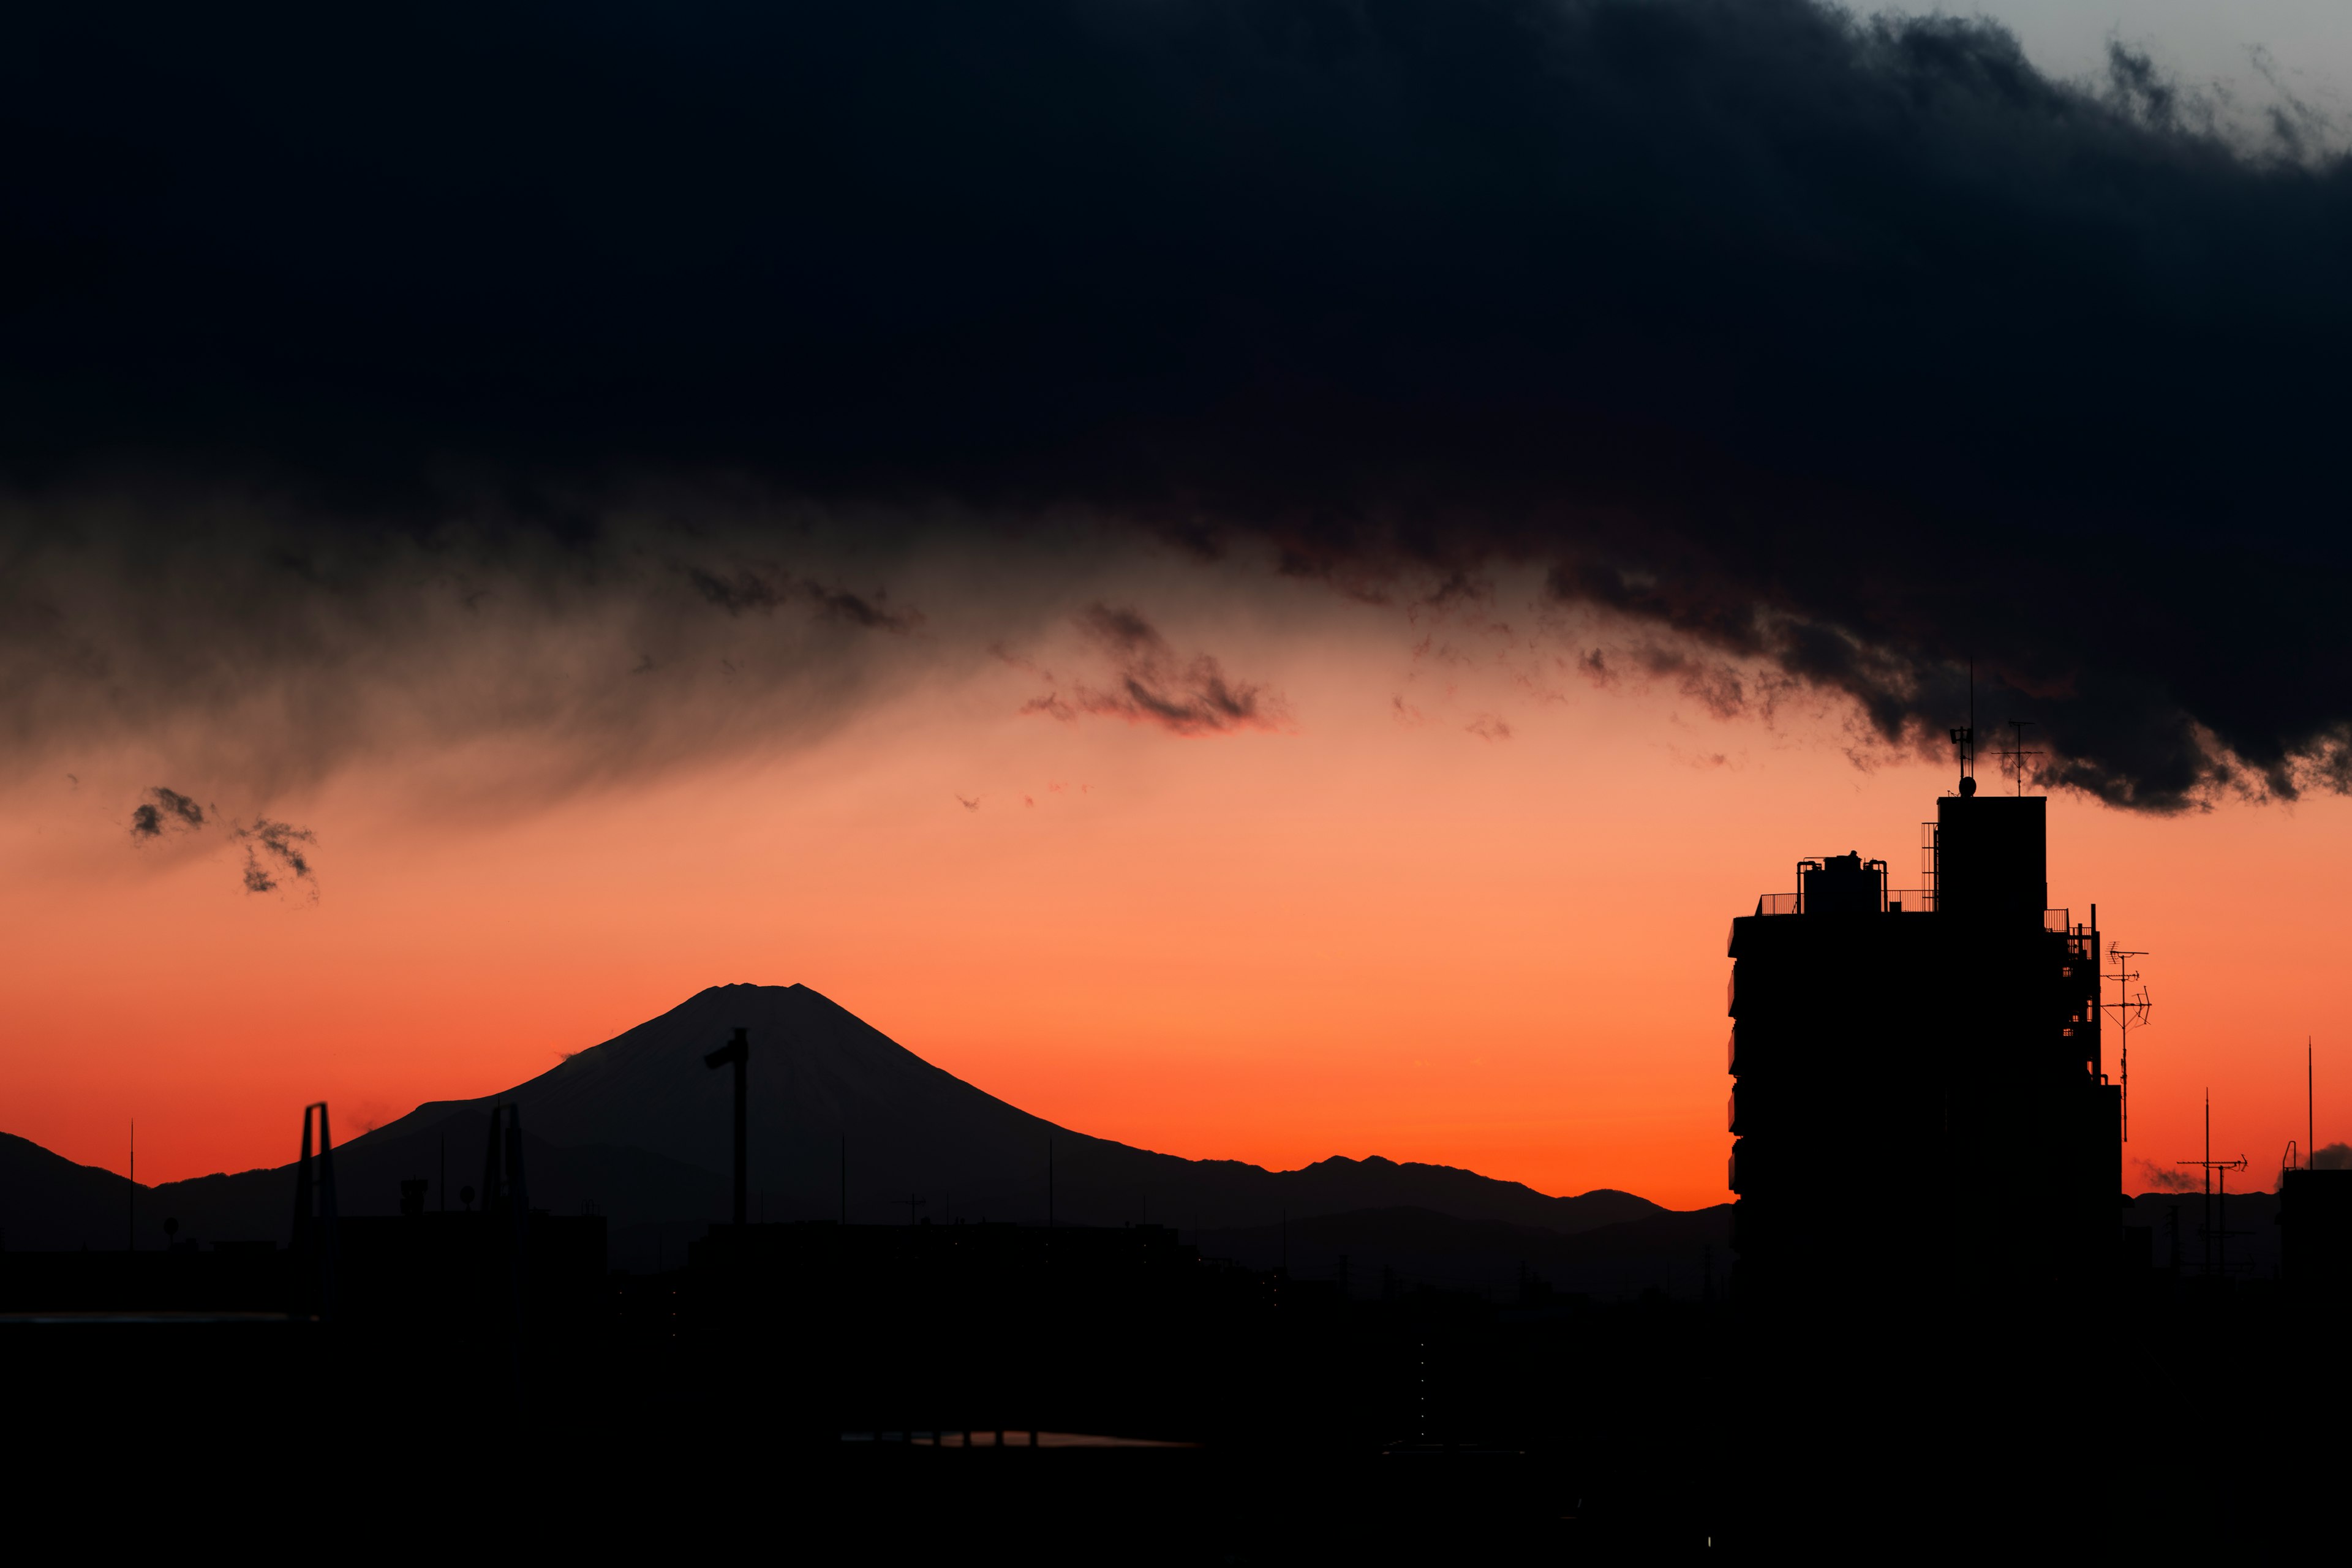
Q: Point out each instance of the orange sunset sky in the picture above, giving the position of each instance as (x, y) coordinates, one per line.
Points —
(1460, 901)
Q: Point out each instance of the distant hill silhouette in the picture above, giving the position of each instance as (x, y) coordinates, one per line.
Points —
(48, 1204)
(639, 1127)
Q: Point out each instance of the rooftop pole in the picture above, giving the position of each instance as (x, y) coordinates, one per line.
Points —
(739, 1054)
(2127, 1008)
(301, 1237)
(738, 1051)
(327, 1219)
(2216, 1236)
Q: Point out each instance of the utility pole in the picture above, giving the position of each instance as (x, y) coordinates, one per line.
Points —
(738, 1052)
(2127, 1010)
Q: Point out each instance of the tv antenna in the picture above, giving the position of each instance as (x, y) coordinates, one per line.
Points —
(2128, 1010)
(2216, 1239)
(1965, 740)
(2013, 756)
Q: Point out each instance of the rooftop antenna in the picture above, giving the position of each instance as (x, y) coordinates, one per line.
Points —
(2310, 1106)
(130, 1208)
(2013, 755)
(1965, 740)
(2216, 1239)
(2128, 1010)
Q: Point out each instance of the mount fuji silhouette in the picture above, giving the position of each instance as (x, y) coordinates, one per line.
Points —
(638, 1128)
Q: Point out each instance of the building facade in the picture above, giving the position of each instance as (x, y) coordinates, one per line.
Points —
(1918, 1091)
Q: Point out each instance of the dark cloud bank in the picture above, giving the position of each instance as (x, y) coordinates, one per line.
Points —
(1854, 348)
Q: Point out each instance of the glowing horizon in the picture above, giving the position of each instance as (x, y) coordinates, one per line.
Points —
(1440, 912)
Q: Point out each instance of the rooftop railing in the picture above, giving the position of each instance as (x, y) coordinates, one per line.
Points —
(1921, 901)
(1893, 900)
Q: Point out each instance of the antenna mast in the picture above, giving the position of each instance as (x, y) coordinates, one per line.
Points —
(2127, 1010)
(2013, 755)
(1965, 740)
(2217, 1240)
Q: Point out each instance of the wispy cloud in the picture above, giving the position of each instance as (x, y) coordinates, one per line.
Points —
(1149, 683)
(2168, 1178)
(164, 810)
(763, 590)
(1489, 727)
(275, 851)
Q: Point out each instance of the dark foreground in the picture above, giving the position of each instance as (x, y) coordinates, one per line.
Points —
(769, 1392)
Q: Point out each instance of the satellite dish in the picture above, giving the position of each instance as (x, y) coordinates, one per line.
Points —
(1968, 785)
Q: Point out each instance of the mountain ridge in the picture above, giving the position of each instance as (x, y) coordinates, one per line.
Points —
(638, 1126)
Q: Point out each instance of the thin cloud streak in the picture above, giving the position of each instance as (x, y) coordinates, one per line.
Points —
(1149, 683)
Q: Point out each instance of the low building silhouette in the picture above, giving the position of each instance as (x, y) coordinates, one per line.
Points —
(435, 1282)
(2314, 1223)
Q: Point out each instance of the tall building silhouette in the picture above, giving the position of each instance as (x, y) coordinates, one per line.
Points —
(1919, 1093)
